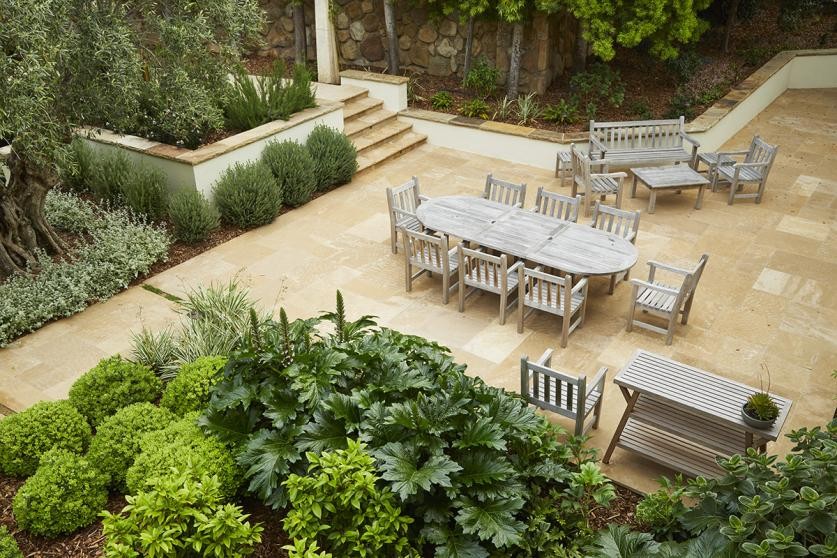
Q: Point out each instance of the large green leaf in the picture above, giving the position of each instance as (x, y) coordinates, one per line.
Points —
(482, 432)
(401, 467)
(452, 545)
(483, 467)
(231, 427)
(324, 433)
(267, 459)
(618, 541)
(492, 520)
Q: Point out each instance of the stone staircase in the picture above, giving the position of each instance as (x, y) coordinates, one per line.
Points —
(376, 132)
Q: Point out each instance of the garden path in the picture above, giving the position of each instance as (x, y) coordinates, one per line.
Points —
(769, 293)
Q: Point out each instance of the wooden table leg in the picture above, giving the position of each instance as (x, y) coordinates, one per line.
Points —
(652, 201)
(633, 188)
(699, 201)
(631, 399)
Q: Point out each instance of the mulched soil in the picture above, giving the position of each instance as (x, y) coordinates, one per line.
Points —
(88, 542)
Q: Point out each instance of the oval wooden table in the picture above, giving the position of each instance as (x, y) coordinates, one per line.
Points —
(569, 247)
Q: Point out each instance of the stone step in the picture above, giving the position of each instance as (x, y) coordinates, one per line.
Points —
(367, 121)
(358, 107)
(384, 132)
(341, 93)
(389, 150)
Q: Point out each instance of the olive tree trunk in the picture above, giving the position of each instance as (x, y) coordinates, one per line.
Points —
(513, 78)
(392, 36)
(469, 48)
(23, 227)
(300, 42)
(732, 13)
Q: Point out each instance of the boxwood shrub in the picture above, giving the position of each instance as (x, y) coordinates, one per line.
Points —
(26, 436)
(192, 215)
(117, 440)
(190, 390)
(294, 170)
(66, 493)
(335, 158)
(247, 195)
(183, 445)
(112, 384)
(8, 546)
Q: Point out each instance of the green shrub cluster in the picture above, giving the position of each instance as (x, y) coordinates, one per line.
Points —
(26, 436)
(183, 445)
(247, 195)
(475, 108)
(252, 102)
(192, 216)
(339, 490)
(114, 179)
(116, 249)
(565, 111)
(482, 78)
(708, 84)
(293, 169)
(117, 440)
(600, 85)
(8, 545)
(335, 158)
(465, 460)
(441, 100)
(112, 384)
(67, 492)
(76, 169)
(190, 390)
(181, 514)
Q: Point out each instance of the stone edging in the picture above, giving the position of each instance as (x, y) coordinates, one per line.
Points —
(702, 123)
(374, 76)
(202, 154)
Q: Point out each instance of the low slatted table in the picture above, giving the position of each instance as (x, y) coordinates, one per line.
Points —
(683, 417)
(563, 245)
(677, 177)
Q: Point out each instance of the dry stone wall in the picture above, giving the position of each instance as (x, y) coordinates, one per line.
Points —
(431, 45)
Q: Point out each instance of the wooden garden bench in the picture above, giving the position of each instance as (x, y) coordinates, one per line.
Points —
(685, 418)
(642, 142)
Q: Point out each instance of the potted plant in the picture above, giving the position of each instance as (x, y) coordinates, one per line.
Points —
(760, 411)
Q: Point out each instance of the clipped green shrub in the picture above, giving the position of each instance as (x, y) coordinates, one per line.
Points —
(247, 195)
(335, 158)
(117, 440)
(112, 384)
(180, 515)
(190, 390)
(8, 546)
(108, 175)
(144, 191)
(27, 435)
(339, 490)
(192, 215)
(66, 493)
(180, 445)
(293, 168)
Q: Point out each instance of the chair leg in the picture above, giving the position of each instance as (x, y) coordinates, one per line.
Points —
(503, 308)
(612, 284)
(462, 288)
(686, 309)
(408, 275)
(732, 189)
(597, 411)
(631, 309)
(393, 238)
(445, 288)
(761, 190)
(565, 328)
(670, 329)
(714, 173)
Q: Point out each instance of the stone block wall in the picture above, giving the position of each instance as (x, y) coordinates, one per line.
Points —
(428, 45)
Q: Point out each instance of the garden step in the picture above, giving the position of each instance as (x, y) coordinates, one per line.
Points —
(388, 150)
(358, 107)
(367, 121)
(341, 93)
(374, 136)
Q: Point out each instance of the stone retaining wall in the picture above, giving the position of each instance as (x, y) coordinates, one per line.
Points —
(435, 47)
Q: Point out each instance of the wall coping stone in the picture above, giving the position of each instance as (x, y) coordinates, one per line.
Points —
(702, 123)
(205, 153)
(374, 76)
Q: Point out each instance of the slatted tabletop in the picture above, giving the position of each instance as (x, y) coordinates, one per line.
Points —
(696, 391)
(562, 245)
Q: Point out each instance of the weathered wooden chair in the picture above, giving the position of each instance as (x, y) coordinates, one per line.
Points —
(664, 300)
(569, 396)
(504, 192)
(557, 205)
(563, 166)
(429, 254)
(479, 271)
(538, 290)
(619, 222)
(758, 160)
(590, 184)
(402, 202)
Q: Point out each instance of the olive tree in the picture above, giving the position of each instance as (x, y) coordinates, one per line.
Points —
(157, 69)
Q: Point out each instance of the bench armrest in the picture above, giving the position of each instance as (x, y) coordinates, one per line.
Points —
(599, 145)
(653, 287)
(659, 265)
(690, 139)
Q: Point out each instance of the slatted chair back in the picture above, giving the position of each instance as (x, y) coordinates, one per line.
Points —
(761, 152)
(484, 271)
(694, 277)
(557, 205)
(564, 394)
(638, 134)
(581, 167)
(545, 291)
(504, 192)
(617, 221)
(426, 251)
(404, 197)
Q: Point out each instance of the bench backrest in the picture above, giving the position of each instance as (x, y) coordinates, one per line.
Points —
(639, 134)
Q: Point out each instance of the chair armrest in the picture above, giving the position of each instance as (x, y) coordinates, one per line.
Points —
(518, 205)
(666, 267)
(690, 139)
(580, 285)
(751, 165)
(403, 214)
(597, 382)
(546, 358)
(615, 175)
(731, 153)
(513, 268)
(424, 198)
(653, 287)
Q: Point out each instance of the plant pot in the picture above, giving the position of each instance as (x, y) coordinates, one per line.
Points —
(753, 421)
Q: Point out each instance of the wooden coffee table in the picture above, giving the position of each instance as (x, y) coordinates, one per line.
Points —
(676, 177)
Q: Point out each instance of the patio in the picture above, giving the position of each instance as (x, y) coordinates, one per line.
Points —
(767, 295)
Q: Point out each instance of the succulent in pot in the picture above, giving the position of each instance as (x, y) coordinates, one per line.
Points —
(760, 411)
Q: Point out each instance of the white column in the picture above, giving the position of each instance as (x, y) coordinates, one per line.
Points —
(327, 68)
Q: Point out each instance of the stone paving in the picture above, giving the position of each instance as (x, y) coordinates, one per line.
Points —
(768, 295)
